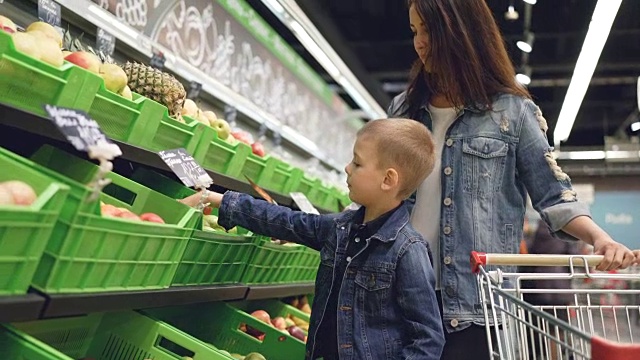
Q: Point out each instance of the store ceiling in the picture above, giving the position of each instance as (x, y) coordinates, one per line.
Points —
(373, 38)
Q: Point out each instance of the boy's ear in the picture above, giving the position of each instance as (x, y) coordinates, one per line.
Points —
(391, 179)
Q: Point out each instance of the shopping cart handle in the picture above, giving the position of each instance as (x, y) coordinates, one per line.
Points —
(483, 259)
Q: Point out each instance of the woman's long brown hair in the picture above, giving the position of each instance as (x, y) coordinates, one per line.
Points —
(468, 60)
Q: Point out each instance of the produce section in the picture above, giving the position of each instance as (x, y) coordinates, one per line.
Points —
(83, 270)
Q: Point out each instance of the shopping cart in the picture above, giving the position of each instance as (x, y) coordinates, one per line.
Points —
(588, 327)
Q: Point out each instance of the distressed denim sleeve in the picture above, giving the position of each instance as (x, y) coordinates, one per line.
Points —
(417, 299)
(271, 220)
(548, 186)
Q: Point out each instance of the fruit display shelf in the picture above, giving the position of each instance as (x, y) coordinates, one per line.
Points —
(26, 126)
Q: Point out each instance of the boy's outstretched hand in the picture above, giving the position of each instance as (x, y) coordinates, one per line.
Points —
(213, 198)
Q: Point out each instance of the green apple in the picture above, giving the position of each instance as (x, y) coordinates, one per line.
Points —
(221, 127)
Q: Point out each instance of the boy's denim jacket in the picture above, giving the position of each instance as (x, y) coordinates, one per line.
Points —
(490, 160)
(387, 307)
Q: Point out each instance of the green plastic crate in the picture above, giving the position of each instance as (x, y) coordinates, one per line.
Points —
(123, 119)
(309, 186)
(284, 178)
(272, 263)
(91, 253)
(211, 258)
(168, 134)
(29, 84)
(25, 230)
(258, 169)
(323, 197)
(274, 307)
(110, 336)
(220, 156)
(219, 324)
(308, 263)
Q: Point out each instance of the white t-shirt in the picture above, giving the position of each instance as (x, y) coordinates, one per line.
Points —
(425, 217)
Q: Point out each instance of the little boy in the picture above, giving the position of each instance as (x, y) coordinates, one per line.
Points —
(375, 296)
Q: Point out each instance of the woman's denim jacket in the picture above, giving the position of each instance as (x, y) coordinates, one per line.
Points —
(387, 307)
(490, 160)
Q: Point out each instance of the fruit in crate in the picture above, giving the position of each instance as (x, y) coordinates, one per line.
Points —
(109, 210)
(189, 108)
(297, 333)
(50, 52)
(16, 193)
(47, 30)
(85, 60)
(254, 356)
(258, 149)
(156, 85)
(7, 25)
(151, 217)
(202, 118)
(222, 128)
(115, 79)
(243, 136)
(279, 323)
(126, 93)
(26, 44)
(262, 316)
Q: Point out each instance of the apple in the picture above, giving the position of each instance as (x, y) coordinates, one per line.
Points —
(243, 136)
(296, 332)
(288, 322)
(8, 25)
(21, 192)
(202, 118)
(85, 60)
(48, 30)
(126, 93)
(279, 323)
(110, 210)
(258, 149)
(26, 44)
(232, 140)
(262, 316)
(151, 217)
(126, 214)
(6, 198)
(221, 127)
(115, 79)
(210, 116)
(189, 108)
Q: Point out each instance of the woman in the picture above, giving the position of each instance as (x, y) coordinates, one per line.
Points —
(492, 150)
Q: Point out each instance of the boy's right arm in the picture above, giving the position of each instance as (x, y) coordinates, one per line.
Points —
(267, 219)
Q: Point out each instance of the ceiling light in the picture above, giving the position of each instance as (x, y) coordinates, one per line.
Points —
(599, 28)
(511, 14)
(635, 126)
(532, 2)
(526, 44)
(524, 75)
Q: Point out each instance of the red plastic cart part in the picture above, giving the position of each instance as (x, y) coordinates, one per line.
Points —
(602, 349)
(478, 259)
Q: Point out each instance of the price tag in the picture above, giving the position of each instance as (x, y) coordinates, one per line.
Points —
(157, 60)
(49, 12)
(186, 168)
(230, 114)
(194, 90)
(79, 128)
(303, 203)
(105, 43)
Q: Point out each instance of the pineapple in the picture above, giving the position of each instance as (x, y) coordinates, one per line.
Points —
(156, 85)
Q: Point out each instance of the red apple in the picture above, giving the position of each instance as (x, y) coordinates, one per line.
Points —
(126, 214)
(262, 316)
(110, 210)
(85, 60)
(279, 323)
(243, 136)
(258, 149)
(151, 217)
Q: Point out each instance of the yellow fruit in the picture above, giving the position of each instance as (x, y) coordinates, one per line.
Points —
(126, 93)
(6, 23)
(189, 108)
(50, 52)
(115, 79)
(48, 30)
(26, 44)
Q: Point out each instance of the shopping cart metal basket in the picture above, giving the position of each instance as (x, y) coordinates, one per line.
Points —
(600, 322)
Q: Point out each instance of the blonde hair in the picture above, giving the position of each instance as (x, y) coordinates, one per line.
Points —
(404, 145)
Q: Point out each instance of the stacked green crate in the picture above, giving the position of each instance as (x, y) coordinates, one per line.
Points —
(220, 156)
(211, 258)
(113, 336)
(88, 252)
(273, 263)
(25, 230)
(29, 84)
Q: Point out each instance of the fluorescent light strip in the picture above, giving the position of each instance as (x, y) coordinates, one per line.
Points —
(304, 30)
(599, 28)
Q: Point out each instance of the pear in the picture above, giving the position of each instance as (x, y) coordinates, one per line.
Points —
(50, 52)
(189, 108)
(26, 44)
(48, 30)
(115, 79)
(202, 118)
(126, 93)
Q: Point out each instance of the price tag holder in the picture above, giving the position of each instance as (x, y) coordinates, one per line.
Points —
(105, 42)
(49, 12)
(85, 135)
(303, 203)
(186, 168)
(157, 60)
(194, 90)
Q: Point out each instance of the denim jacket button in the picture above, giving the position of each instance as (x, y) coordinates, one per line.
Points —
(449, 142)
(357, 239)
(454, 323)
(448, 170)
(447, 260)
(349, 258)
(447, 201)
(449, 290)
(447, 230)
